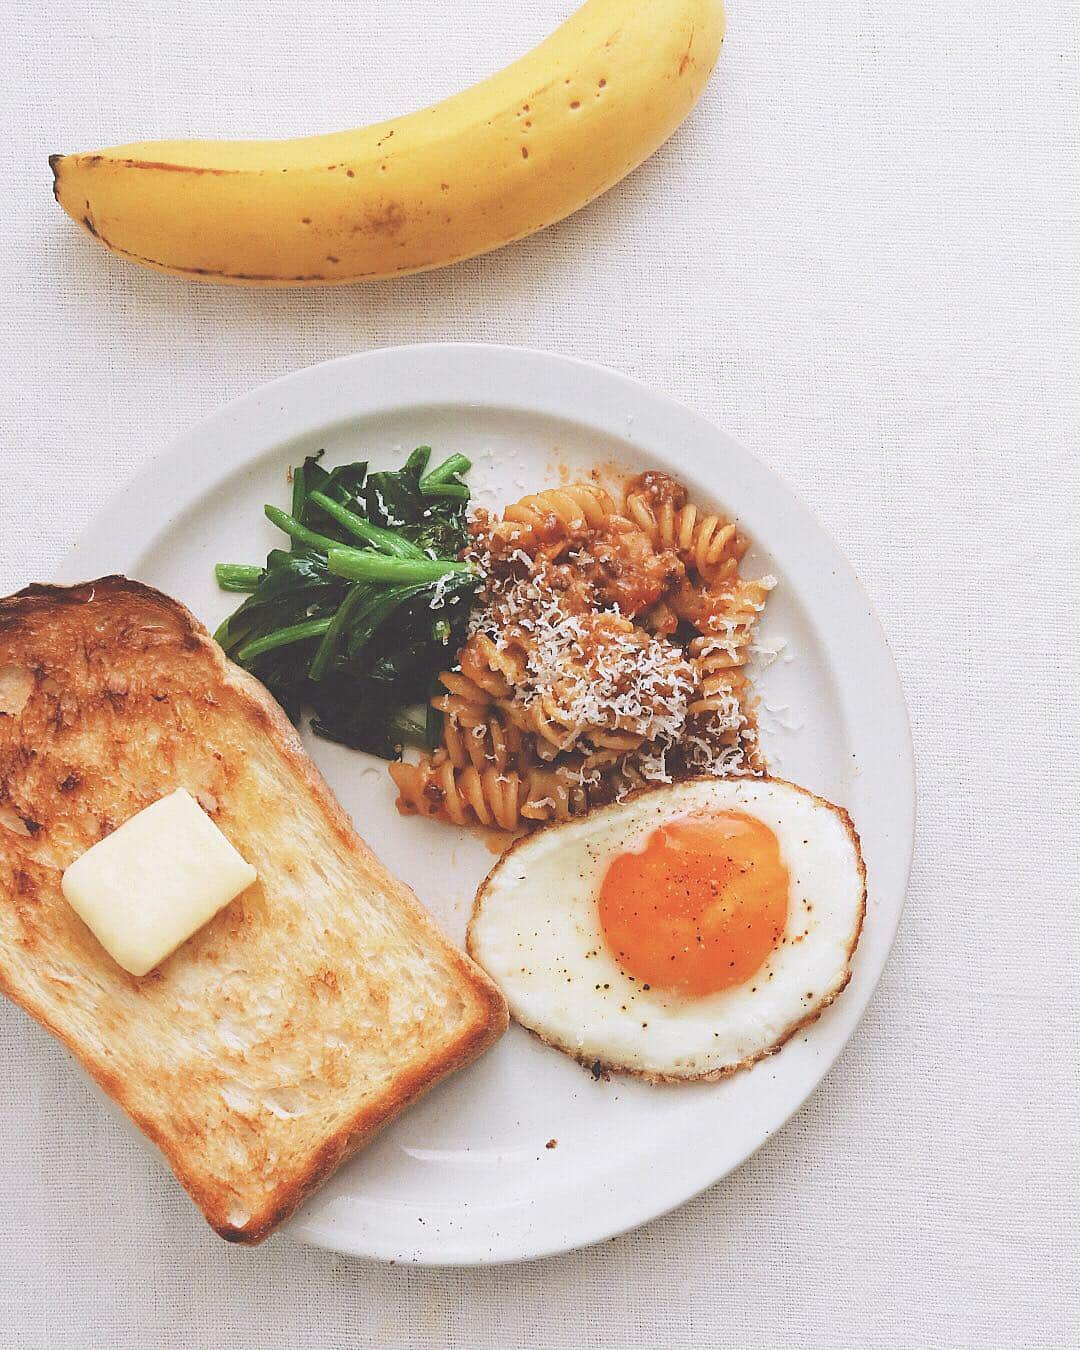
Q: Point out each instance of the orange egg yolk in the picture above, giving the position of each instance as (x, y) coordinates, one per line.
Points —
(700, 908)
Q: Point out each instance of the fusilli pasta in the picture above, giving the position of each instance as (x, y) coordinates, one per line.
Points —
(609, 651)
(576, 507)
(709, 544)
(503, 800)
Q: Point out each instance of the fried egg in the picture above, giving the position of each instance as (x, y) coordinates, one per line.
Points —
(680, 934)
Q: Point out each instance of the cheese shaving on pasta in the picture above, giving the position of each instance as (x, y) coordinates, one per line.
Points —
(608, 649)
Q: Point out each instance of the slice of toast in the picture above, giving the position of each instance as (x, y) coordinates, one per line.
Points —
(301, 1018)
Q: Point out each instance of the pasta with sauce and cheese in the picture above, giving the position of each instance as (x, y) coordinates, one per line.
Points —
(608, 650)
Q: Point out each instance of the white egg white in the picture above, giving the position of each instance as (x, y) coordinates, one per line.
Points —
(535, 929)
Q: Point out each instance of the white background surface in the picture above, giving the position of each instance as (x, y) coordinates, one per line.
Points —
(862, 257)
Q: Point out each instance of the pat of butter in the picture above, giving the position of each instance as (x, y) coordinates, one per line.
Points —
(145, 888)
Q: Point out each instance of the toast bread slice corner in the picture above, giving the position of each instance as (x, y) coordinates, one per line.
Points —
(281, 1036)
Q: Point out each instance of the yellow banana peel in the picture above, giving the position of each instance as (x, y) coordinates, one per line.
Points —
(494, 163)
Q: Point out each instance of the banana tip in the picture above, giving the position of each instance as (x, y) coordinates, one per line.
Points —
(54, 164)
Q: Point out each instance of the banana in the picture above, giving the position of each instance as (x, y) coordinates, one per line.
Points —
(492, 164)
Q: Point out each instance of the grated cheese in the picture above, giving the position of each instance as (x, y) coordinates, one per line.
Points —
(596, 674)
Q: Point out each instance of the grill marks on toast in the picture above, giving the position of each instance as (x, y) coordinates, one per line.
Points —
(301, 1018)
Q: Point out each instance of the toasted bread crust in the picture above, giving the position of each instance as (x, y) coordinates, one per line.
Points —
(601, 1069)
(94, 651)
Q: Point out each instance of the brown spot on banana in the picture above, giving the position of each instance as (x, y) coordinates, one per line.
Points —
(686, 54)
(389, 220)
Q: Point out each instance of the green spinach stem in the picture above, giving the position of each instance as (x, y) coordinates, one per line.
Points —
(362, 565)
(283, 637)
(386, 540)
(322, 542)
(238, 576)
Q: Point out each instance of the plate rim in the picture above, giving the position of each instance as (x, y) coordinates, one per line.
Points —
(490, 362)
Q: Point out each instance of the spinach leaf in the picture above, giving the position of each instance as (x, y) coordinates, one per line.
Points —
(359, 646)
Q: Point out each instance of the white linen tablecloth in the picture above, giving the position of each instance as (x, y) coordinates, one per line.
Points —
(862, 257)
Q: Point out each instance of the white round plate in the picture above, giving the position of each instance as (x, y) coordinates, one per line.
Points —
(466, 1176)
